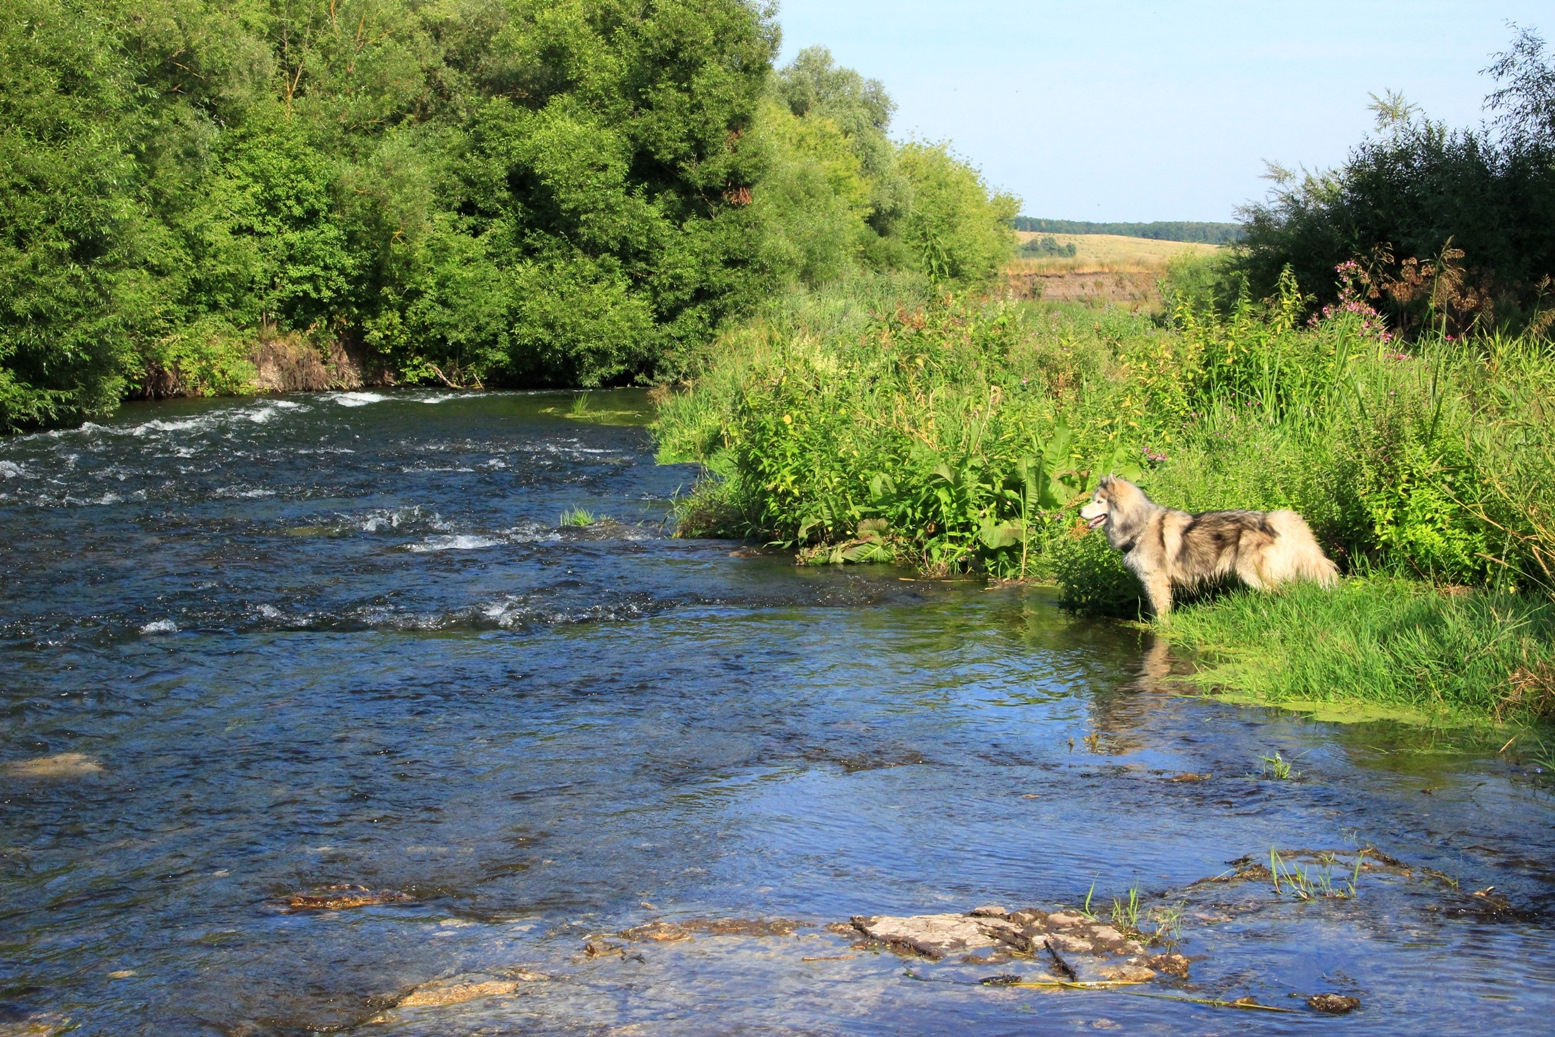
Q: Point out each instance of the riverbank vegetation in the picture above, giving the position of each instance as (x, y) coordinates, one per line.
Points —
(957, 435)
(471, 193)
(1408, 411)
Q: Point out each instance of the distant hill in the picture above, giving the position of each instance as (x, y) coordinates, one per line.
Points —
(1170, 230)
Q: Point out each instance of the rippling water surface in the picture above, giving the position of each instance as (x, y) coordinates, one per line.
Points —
(267, 646)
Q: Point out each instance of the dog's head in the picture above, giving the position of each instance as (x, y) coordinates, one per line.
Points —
(1119, 505)
(1095, 513)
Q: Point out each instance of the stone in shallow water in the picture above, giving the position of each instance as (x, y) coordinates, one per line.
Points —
(1334, 1004)
(64, 765)
(45, 1024)
(931, 936)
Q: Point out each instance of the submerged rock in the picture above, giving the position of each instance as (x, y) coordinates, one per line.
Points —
(669, 932)
(45, 1024)
(342, 897)
(599, 948)
(63, 765)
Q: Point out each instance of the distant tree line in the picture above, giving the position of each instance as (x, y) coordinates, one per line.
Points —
(522, 192)
(1170, 230)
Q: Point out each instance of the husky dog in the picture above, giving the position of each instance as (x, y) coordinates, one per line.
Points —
(1168, 548)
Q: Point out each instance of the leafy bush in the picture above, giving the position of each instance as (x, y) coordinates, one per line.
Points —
(1048, 247)
(1455, 227)
(926, 423)
(959, 232)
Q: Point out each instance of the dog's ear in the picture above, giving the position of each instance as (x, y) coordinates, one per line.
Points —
(1106, 483)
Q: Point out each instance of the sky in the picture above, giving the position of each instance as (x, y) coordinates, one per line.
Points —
(1135, 110)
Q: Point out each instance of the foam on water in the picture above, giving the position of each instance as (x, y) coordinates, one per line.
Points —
(383, 520)
(457, 542)
(356, 399)
(160, 626)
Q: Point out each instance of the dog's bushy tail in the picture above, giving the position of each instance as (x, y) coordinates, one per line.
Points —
(1296, 554)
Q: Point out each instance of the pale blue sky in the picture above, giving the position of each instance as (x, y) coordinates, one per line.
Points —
(1138, 110)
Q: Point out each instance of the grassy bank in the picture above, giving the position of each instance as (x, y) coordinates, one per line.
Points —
(877, 421)
(1380, 647)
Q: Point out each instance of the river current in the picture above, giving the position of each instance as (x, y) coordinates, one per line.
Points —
(257, 648)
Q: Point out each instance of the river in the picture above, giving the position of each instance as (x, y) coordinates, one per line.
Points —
(256, 648)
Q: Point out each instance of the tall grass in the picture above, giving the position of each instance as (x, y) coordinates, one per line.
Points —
(1396, 644)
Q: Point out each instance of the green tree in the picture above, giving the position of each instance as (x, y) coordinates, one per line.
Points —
(959, 231)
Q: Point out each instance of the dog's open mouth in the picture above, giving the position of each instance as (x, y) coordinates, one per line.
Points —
(1098, 520)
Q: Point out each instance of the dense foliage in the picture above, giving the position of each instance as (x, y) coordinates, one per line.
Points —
(471, 191)
(1451, 228)
(1168, 230)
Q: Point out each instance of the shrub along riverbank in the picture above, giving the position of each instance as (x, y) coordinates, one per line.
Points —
(883, 421)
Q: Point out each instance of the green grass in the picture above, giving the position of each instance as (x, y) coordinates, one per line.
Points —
(1316, 882)
(578, 517)
(1125, 913)
(1278, 767)
(1378, 647)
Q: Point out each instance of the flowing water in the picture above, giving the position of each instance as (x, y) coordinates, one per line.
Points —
(347, 639)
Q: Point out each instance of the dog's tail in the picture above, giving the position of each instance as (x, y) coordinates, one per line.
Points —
(1297, 554)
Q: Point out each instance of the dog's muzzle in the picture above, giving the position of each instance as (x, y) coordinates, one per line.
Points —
(1098, 520)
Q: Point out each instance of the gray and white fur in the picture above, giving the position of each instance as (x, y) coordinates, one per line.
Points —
(1167, 548)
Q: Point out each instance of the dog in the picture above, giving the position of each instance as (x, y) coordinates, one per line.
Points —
(1167, 548)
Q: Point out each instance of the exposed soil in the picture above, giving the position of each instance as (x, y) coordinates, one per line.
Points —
(1135, 289)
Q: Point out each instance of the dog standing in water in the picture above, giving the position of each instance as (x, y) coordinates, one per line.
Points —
(1167, 548)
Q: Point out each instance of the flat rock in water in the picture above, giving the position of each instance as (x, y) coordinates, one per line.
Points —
(470, 986)
(1074, 947)
(64, 765)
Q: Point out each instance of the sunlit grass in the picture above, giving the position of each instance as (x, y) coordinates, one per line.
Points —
(1390, 643)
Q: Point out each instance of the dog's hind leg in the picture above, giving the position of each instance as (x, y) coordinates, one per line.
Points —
(1251, 573)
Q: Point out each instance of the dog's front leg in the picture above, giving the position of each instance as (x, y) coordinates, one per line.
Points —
(1159, 590)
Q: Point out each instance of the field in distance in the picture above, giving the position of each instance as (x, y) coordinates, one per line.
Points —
(1109, 252)
(1106, 270)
